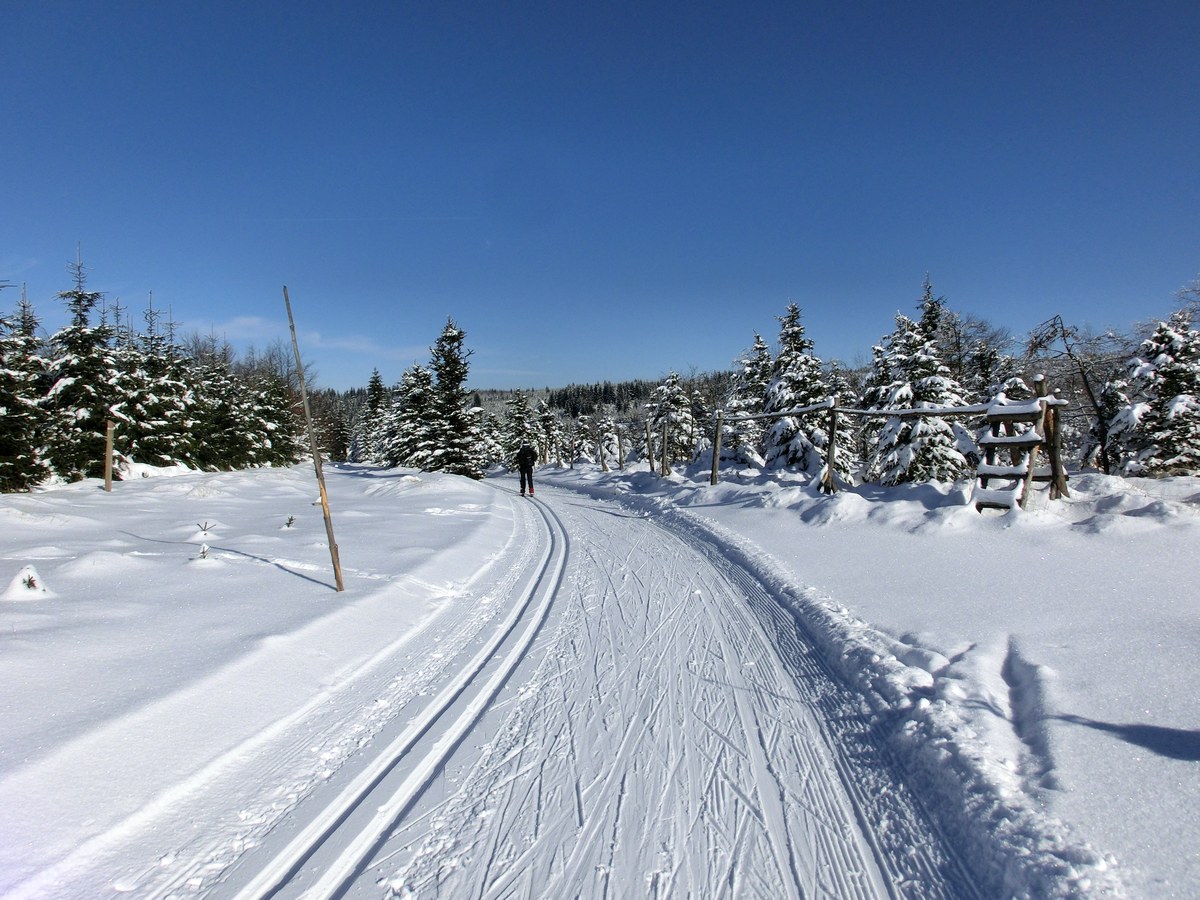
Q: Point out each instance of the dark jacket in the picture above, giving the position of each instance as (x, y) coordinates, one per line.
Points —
(526, 457)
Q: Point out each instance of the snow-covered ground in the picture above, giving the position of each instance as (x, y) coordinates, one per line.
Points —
(1046, 662)
(183, 690)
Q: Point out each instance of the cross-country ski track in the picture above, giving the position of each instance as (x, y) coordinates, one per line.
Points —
(628, 713)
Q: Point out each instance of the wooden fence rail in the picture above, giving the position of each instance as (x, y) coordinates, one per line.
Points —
(1042, 413)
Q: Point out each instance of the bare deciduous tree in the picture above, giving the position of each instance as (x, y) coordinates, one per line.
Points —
(1082, 362)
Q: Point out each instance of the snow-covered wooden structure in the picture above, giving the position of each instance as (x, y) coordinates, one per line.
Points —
(1021, 430)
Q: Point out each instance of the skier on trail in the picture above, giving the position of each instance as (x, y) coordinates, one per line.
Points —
(526, 457)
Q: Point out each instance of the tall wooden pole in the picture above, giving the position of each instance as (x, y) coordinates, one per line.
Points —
(316, 453)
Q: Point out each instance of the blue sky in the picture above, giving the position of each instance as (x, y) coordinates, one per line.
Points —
(600, 190)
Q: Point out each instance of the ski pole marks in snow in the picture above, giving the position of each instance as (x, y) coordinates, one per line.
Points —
(337, 843)
(159, 727)
(653, 738)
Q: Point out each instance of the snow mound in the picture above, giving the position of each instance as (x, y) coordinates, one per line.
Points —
(27, 585)
(102, 564)
(129, 470)
(395, 484)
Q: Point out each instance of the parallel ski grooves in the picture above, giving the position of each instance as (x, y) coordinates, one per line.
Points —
(349, 861)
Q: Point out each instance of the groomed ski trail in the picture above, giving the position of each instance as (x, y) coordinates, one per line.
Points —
(262, 810)
(642, 719)
(655, 743)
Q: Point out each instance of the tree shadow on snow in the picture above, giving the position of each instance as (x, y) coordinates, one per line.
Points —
(1175, 743)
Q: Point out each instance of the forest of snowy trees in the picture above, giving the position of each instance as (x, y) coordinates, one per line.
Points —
(196, 405)
(1134, 401)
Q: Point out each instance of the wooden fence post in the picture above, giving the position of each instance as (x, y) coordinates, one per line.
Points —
(1053, 435)
(662, 450)
(108, 455)
(715, 477)
(828, 478)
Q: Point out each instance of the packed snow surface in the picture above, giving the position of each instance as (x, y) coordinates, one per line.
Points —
(636, 685)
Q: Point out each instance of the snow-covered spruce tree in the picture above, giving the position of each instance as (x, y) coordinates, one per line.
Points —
(454, 425)
(370, 435)
(409, 421)
(699, 435)
(1121, 415)
(81, 373)
(798, 380)
(1165, 381)
(912, 449)
(989, 369)
(975, 352)
(671, 405)
(848, 457)
(270, 409)
(875, 391)
(520, 426)
(492, 449)
(743, 440)
(243, 422)
(331, 413)
(584, 443)
(939, 324)
(608, 442)
(577, 440)
(274, 429)
(155, 408)
(549, 434)
(22, 421)
(216, 417)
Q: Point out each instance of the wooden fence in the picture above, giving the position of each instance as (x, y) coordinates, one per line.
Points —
(1041, 434)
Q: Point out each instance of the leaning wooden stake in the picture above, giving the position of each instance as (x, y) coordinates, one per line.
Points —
(316, 453)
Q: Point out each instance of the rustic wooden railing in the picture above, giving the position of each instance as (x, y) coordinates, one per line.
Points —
(1043, 434)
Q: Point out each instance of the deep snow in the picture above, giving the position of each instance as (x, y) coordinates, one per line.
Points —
(1050, 652)
(1039, 667)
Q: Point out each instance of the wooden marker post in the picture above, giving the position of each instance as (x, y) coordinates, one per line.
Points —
(316, 453)
(664, 466)
(829, 476)
(108, 455)
(714, 477)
